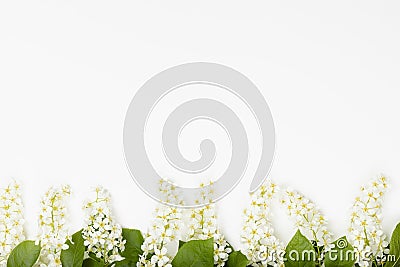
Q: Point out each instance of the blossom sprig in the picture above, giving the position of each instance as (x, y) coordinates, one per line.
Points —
(11, 220)
(307, 217)
(102, 235)
(165, 229)
(203, 225)
(310, 221)
(260, 245)
(169, 193)
(365, 231)
(53, 231)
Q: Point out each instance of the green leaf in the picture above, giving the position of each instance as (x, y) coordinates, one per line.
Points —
(24, 255)
(341, 255)
(195, 253)
(181, 243)
(125, 263)
(73, 256)
(395, 248)
(92, 263)
(300, 252)
(134, 240)
(237, 259)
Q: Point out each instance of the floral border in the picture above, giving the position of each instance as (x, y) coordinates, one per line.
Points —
(194, 233)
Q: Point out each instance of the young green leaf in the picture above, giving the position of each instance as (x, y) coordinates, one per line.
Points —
(237, 259)
(24, 255)
(133, 246)
(300, 252)
(341, 255)
(195, 253)
(73, 256)
(92, 263)
(395, 248)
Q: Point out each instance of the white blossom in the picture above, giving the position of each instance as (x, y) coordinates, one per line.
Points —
(307, 217)
(102, 235)
(164, 230)
(260, 245)
(11, 220)
(53, 231)
(365, 231)
(203, 225)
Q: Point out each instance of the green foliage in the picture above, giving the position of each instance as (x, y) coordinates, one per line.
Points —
(134, 240)
(300, 252)
(237, 259)
(73, 256)
(181, 243)
(196, 253)
(341, 255)
(24, 255)
(395, 248)
(92, 263)
(125, 263)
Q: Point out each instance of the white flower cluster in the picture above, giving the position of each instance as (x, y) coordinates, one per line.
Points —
(307, 218)
(11, 220)
(102, 235)
(365, 232)
(169, 194)
(164, 230)
(52, 228)
(203, 225)
(260, 245)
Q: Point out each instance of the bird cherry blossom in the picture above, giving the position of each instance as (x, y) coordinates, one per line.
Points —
(102, 235)
(164, 230)
(365, 231)
(203, 225)
(260, 245)
(11, 220)
(53, 231)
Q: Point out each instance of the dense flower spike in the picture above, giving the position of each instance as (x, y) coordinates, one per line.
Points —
(53, 231)
(203, 225)
(102, 235)
(165, 229)
(365, 232)
(307, 217)
(260, 245)
(11, 220)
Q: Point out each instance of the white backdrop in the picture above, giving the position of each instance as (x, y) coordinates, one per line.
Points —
(329, 71)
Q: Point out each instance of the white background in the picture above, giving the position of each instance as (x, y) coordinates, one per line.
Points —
(329, 71)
